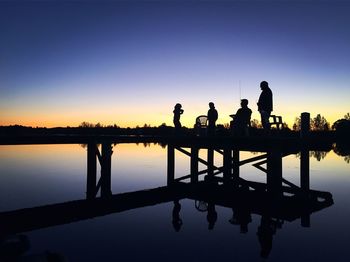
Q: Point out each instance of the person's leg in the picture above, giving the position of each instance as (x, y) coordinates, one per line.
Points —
(265, 120)
(177, 125)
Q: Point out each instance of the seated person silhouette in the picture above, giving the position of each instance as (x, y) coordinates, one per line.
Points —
(241, 121)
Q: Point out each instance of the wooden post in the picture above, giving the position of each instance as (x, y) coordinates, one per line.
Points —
(91, 171)
(304, 171)
(274, 171)
(106, 170)
(227, 163)
(210, 160)
(235, 163)
(194, 164)
(305, 183)
(304, 125)
(171, 165)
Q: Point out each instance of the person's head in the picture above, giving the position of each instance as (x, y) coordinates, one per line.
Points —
(211, 105)
(264, 85)
(244, 102)
(178, 106)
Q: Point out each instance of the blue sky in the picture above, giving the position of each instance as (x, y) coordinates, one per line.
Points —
(129, 63)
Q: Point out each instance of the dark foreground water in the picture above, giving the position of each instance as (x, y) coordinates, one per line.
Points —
(47, 174)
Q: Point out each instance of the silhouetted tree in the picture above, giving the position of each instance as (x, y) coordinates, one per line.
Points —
(285, 126)
(319, 155)
(227, 126)
(347, 159)
(347, 116)
(340, 124)
(86, 125)
(297, 124)
(319, 123)
(342, 128)
(255, 123)
(98, 125)
(343, 150)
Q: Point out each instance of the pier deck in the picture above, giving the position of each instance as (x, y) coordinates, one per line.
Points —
(251, 143)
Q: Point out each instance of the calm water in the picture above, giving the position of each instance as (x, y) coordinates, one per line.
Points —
(46, 174)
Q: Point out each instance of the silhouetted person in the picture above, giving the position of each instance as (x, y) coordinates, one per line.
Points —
(212, 216)
(241, 217)
(177, 221)
(265, 233)
(265, 105)
(241, 121)
(178, 111)
(212, 117)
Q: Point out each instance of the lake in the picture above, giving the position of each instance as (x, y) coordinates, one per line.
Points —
(37, 175)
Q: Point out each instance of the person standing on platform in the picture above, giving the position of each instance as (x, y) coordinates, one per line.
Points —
(178, 111)
(212, 117)
(265, 105)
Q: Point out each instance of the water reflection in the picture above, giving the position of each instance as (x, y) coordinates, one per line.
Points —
(14, 248)
(177, 221)
(242, 201)
(318, 155)
(266, 230)
(341, 149)
(271, 204)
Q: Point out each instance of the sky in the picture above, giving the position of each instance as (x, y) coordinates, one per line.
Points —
(129, 62)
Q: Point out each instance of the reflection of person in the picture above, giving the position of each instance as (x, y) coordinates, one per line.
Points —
(178, 111)
(212, 216)
(265, 105)
(265, 234)
(241, 121)
(241, 217)
(212, 117)
(177, 221)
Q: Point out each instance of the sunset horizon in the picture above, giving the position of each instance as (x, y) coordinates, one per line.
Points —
(129, 63)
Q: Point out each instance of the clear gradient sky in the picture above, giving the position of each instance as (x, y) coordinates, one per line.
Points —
(130, 62)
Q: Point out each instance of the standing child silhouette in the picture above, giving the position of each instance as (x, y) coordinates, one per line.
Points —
(178, 111)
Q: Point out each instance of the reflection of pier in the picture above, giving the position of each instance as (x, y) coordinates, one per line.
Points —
(222, 185)
(286, 208)
(230, 170)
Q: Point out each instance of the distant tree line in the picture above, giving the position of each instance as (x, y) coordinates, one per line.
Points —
(320, 123)
(98, 125)
(317, 123)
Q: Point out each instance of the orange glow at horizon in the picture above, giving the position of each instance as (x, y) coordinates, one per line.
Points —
(147, 116)
(132, 112)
